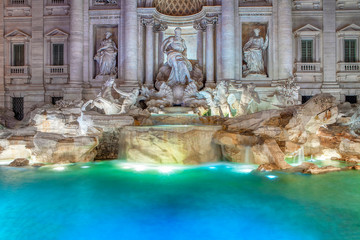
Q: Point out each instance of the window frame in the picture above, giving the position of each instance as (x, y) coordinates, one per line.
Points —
(355, 57)
(307, 59)
(308, 32)
(56, 36)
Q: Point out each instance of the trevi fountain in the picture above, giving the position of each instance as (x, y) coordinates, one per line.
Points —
(191, 159)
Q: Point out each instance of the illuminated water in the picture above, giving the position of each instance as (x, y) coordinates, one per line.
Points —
(114, 200)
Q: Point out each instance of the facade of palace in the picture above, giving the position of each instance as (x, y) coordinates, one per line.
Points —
(54, 49)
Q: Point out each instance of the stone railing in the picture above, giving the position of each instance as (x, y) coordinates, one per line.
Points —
(56, 70)
(18, 2)
(349, 67)
(57, 2)
(17, 71)
(308, 67)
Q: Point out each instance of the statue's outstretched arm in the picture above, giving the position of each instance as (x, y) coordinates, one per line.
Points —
(266, 43)
(124, 94)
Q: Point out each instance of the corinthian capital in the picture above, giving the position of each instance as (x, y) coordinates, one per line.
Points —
(209, 20)
(160, 26)
(148, 21)
(198, 25)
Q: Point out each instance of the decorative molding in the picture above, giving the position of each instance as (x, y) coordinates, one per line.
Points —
(308, 30)
(57, 33)
(350, 29)
(17, 35)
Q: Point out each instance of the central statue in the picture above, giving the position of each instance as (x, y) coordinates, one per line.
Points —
(178, 71)
(175, 49)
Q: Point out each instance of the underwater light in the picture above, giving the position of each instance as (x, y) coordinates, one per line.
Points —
(165, 169)
(59, 168)
(212, 167)
(140, 168)
(85, 166)
(271, 176)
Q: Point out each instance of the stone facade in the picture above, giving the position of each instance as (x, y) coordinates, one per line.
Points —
(35, 30)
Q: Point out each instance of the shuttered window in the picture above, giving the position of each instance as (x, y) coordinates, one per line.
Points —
(306, 51)
(350, 50)
(58, 54)
(18, 55)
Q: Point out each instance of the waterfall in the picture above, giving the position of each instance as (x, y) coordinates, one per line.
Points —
(299, 157)
(247, 156)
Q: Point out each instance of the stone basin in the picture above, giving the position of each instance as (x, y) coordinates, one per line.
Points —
(170, 144)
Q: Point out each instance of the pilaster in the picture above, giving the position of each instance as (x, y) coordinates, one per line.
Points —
(285, 42)
(210, 53)
(149, 66)
(130, 32)
(198, 26)
(37, 56)
(330, 84)
(228, 39)
(74, 89)
(160, 29)
(2, 58)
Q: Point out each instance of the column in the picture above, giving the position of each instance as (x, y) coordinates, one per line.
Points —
(141, 52)
(160, 29)
(149, 58)
(200, 39)
(329, 44)
(210, 69)
(129, 14)
(228, 39)
(73, 91)
(285, 39)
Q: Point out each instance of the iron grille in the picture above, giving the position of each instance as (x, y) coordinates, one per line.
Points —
(18, 107)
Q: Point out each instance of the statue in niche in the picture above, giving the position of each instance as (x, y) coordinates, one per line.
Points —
(178, 72)
(254, 52)
(106, 56)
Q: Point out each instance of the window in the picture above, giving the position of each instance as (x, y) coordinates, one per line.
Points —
(58, 54)
(350, 50)
(304, 99)
(18, 107)
(18, 55)
(306, 51)
(55, 99)
(351, 99)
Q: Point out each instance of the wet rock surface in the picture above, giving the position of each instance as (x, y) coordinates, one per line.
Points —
(20, 162)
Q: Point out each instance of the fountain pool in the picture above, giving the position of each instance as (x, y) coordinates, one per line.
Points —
(119, 200)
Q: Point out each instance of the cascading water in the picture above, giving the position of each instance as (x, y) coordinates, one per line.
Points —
(247, 157)
(299, 157)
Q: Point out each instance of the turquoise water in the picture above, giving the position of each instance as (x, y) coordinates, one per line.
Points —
(116, 200)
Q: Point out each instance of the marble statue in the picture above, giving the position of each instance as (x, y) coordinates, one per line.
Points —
(156, 100)
(248, 97)
(354, 123)
(130, 99)
(289, 92)
(217, 100)
(111, 106)
(175, 49)
(178, 71)
(254, 51)
(106, 56)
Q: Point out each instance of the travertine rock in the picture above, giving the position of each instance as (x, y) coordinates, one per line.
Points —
(19, 162)
(267, 167)
(171, 144)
